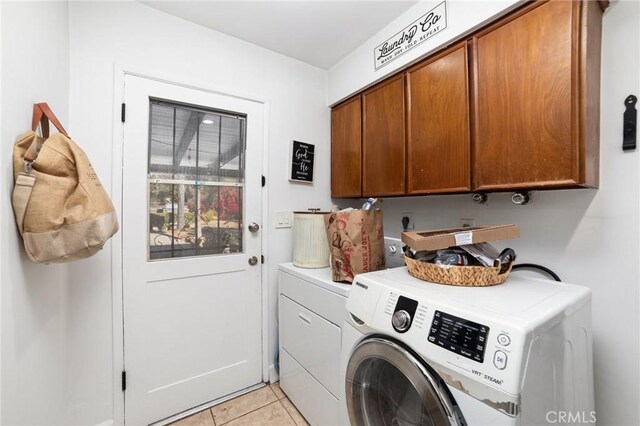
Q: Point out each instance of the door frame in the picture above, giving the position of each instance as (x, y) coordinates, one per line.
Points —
(120, 71)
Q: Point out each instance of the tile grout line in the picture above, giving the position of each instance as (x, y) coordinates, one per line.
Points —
(279, 397)
(288, 413)
(212, 416)
(253, 411)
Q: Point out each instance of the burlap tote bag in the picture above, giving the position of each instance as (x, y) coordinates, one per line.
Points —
(62, 211)
(356, 242)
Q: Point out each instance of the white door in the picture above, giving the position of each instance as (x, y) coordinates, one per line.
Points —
(191, 266)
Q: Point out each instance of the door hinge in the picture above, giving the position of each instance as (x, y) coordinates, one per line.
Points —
(123, 112)
(261, 258)
(264, 180)
(124, 381)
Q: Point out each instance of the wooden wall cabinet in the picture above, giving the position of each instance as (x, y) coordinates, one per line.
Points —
(515, 107)
(536, 81)
(383, 144)
(346, 149)
(438, 146)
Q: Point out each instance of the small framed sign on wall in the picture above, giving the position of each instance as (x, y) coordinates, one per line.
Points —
(423, 28)
(301, 166)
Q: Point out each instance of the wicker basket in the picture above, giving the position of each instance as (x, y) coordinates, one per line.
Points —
(467, 276)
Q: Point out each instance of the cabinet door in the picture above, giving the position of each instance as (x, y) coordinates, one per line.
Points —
(346, 149)
(383, 139)
(438, 147)
(526, 100)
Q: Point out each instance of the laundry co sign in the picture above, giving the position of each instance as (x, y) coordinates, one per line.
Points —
(418, 31)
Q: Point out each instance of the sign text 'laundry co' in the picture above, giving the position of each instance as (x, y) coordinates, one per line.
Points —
(418, 31)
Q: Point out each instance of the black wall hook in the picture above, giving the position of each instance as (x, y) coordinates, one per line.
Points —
(629, 123)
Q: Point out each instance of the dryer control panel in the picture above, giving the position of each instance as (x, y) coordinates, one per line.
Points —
(458, 335)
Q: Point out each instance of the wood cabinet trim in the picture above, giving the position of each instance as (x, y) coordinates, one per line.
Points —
(382, 83)
(458, 179)
(407, 131)
(458, 190)
(365, 171)
(429, 60)
(604, 4)
(472, 54)
(485, 176)
(590, 33)
(581, 157)
(347, 101)
(439, 55)
(500, 22)
(353, 176)
(555, 184)
(577, 141)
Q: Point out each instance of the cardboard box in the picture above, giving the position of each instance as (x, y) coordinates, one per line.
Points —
(444, 238)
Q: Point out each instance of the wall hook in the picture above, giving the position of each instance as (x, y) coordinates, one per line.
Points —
(629, 123)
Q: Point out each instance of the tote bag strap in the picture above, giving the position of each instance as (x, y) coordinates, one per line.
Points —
(42, 114)
(21, 195)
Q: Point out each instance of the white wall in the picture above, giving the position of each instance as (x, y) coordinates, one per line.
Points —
(35, 67)
(134, 35)
(589, 237)
(56, 321)
(357, 71)
(2, 180)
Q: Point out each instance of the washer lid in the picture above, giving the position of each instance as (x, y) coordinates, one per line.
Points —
(387, 385)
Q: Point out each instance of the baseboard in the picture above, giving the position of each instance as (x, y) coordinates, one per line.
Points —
(273, 374)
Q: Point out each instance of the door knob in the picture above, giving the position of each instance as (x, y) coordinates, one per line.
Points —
(254, 227)
(253, 261)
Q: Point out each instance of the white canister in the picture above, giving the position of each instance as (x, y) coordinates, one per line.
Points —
(310, 247)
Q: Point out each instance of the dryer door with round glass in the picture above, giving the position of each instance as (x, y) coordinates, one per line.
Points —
(387, 385)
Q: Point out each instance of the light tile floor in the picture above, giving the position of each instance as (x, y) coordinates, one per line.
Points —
(267, 406)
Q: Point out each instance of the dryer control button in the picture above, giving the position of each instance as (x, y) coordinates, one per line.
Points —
(401, 320)
(503, 339)
(500, 360)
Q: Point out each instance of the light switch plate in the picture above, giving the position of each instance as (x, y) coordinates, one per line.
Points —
(284, 219)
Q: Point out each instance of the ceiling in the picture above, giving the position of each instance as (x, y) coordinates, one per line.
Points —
(320, 33)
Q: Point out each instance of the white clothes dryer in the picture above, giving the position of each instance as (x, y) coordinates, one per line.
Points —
(419, 353)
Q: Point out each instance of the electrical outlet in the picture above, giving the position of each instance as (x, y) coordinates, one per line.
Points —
(410, 224)
(283, 219)
(466, 222)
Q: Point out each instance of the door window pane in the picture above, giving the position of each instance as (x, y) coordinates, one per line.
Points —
(221, 149)
(196, 179)
(161, 139)
(220, 219)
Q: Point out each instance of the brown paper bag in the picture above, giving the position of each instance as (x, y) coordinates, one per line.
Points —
(356, 242)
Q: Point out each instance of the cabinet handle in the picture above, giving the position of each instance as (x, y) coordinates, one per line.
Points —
(304, 319)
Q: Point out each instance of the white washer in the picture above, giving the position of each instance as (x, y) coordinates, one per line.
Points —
(418, 353)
